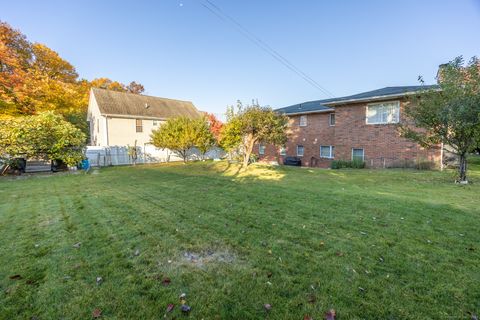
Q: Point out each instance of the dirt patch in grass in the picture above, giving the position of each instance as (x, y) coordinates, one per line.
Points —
(206, 258)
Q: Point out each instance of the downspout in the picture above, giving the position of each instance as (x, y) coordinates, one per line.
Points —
(106, 126)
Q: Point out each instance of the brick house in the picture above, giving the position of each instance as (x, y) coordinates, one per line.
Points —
(361, 126)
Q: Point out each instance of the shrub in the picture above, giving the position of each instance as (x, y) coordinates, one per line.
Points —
(354, 164)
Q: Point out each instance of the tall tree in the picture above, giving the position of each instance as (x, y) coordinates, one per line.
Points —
(135, 88)
(34, 78)
(51, 65)
(252, 125)
(105, 83)
(451, 114)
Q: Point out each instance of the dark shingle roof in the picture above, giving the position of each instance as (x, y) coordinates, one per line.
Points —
(305, 107)
(383, 92)
(327, 104)
(129, 104)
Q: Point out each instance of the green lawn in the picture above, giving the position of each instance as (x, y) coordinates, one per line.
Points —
(372, 244)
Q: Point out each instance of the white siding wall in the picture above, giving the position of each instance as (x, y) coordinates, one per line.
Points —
(122, 131)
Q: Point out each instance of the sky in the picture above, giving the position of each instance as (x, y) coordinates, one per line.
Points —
(179, 49)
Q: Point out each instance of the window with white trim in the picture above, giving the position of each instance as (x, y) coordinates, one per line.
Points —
(383, 113)
(283, 151)
(327, 152)
(303, 121)
(358, 154)
(300, 151)
(331, 119)
(261, 149)
(155, 122)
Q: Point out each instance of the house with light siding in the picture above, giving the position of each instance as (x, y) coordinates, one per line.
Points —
(119, 120)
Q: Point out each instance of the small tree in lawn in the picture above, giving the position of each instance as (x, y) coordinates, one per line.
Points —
(252, 125)
(204, 138)
(46, 135)
(215, 126)
(450, 115)
(133, 153)
(176, 134)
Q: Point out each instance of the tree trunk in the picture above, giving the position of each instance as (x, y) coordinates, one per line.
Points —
(462, 169)
(248, 150)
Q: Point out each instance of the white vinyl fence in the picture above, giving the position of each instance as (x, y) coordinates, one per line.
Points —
(118, 155)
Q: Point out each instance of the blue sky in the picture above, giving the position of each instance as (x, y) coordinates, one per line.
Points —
(179, 49)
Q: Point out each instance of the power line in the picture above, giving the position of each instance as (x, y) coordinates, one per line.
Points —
(217, 11)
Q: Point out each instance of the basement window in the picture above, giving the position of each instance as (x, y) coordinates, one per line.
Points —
(327, 152)
(139, 125)
(358, 154)
(283, 151)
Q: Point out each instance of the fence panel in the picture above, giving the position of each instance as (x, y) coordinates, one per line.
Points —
(118, 155)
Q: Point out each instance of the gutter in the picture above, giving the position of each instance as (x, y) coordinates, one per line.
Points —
(375, 98)
(111, 115)
(106, 126)
(308, 112)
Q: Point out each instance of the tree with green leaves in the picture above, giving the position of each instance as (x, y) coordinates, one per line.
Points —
(177, 135)
(449, 115)
(46, 135)
(204, 138)
(251, 125)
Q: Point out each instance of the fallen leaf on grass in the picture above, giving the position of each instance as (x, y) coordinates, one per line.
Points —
(137, 252)
(77, 245)
(267, 306)
(166, 281)
(170, 307)
(330, 314)
(312, 298)
(16, 277)
(269, 274)
(307, 317)
(97, 313)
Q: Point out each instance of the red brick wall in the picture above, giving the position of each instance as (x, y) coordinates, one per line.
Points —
(382, 144)
(317, 132)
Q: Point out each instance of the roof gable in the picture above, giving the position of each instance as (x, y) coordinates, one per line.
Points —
(124, 104)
